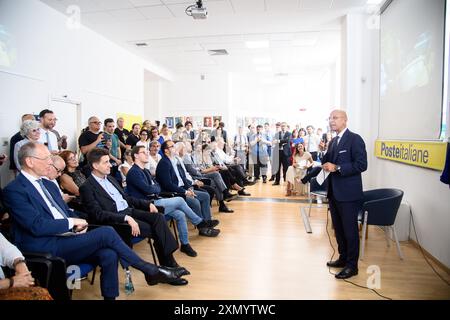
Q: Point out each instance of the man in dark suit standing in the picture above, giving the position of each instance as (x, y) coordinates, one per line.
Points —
(284, 152)
(345, 160)
(42, 222)
(106, 202)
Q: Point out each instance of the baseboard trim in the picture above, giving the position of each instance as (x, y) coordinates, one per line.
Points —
(431, 257)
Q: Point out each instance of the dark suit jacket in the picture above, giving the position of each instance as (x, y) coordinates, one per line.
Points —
(101, 207)
(34, 227)
(138, 184)
(284, 142)
(167, 178)
(351, 155)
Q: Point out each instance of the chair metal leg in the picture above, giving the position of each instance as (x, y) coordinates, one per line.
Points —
(400, 253)
(386, 235)
(93, 275)
(310, 205)
(174, 226)
(153, 251)
(363, 240)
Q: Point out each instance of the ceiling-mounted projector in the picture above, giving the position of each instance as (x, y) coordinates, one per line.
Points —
(197, 10)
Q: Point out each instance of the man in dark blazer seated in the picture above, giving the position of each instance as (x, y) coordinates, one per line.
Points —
(171, 177)
(281, 140)
(106, 202)
(345, 160)
(42, 222)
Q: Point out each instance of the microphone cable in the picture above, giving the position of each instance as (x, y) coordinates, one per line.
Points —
(331, 259)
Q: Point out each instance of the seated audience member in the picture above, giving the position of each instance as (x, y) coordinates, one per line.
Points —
(194, 174)
(12, 142)
(171, 178)
(154, 157)
(134, 137)
(20, 286)
(141, 185)
(105, 202)
(31, 133)
(207, 163)
(219, 157)
(55, 172)
(44, 223)
(301, 161)
(71, 178)
(125, 166)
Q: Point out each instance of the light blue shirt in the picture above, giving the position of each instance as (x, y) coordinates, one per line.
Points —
(112, 191)
(174, 165)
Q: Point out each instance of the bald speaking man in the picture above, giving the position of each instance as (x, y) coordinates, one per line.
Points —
(345, 160)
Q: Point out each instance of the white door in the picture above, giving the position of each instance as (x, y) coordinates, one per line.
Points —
(67, 114)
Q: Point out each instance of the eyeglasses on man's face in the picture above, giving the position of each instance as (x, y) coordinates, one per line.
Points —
(96, 122)
(42, 159)
(59, 171)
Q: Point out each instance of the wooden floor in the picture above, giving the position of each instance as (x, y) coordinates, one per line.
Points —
(263, 252)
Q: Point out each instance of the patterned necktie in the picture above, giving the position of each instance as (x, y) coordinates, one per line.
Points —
(50, 198)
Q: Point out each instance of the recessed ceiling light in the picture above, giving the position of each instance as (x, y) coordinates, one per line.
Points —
(262, 60)
(257, 44)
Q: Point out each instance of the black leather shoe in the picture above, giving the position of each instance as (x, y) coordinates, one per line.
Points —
(346, 273)
(264, 179)
(179, 271)
(208, 232)
(249, 183)
(186, 248)
(272, 178)
(229, 196)
(243, 193)
(212, 223)
(225, 209)
(165, 275)
(276, 183)
(336, 264)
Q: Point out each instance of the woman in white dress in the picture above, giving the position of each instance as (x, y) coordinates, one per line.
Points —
(301, 161)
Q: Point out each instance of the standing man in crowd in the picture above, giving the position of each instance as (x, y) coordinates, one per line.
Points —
(48, 138)
(284, 152)
(312, 142)
(122, 134)
(346, 159)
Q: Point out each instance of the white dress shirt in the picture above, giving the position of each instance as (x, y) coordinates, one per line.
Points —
(56, 214)
(49, 139)
(8, 253)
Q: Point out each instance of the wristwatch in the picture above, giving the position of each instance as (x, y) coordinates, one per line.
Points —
(20, 260)
(338, 168)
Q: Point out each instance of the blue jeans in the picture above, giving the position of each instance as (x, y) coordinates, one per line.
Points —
(200, 204)
(178, 209)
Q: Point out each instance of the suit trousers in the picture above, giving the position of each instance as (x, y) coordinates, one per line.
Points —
(103, 247)
(283, 161)
(345, 221)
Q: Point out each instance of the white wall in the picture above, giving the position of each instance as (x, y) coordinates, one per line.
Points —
(52, 60)
(427, 196)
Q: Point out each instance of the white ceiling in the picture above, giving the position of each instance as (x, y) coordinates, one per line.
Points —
(303, 35)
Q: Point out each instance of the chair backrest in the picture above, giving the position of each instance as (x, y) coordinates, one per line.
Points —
(316, 189)
(382, 205)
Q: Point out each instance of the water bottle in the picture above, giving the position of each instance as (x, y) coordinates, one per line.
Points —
(129, 288)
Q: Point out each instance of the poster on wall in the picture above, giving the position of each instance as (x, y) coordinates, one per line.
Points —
(169, 122)
(129, 119)
(207, 122)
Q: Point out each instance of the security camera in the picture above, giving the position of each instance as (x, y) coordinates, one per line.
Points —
(197, 10)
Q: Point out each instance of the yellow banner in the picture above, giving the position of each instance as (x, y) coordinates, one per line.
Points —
(129, 119)
(422, 154)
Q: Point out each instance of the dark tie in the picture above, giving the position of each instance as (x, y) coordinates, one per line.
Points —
(50, 198)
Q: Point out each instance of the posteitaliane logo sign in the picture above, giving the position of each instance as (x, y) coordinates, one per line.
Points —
(429, 155)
